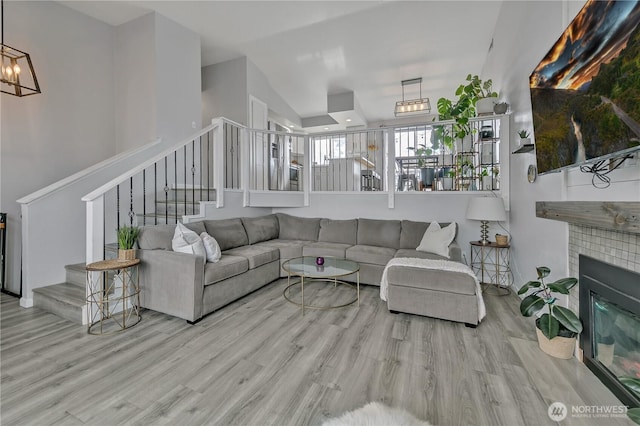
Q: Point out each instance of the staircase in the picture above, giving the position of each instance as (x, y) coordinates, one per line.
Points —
(68, 299)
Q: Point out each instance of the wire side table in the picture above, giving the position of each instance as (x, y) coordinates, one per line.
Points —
(113, 297)
(491, 264)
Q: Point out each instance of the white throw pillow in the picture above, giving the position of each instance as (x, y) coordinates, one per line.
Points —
(187, 241)
(211, 247)
(436, 240)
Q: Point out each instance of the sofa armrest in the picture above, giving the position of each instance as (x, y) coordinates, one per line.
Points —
(455, 252)
(172, 283)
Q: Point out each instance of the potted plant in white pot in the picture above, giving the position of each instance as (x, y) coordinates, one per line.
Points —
(427, 174)
(486, 98)
(557, 329)
(447, 179)
(524, 138)
(127, 237)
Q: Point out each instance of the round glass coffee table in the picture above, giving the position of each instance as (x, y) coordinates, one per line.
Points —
(307, 269)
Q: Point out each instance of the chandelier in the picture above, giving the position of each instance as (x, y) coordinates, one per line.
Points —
(17, 75)
(412, 106)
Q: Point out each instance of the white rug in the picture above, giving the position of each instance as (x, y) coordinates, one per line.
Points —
(376, 414)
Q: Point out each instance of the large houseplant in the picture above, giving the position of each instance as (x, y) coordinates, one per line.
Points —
(556, 329)
(127, 237)
(463, 108)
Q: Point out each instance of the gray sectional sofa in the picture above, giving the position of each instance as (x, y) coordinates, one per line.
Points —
(253, 251)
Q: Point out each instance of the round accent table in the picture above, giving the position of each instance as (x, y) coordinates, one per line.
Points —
(491, 263)
(114, 296)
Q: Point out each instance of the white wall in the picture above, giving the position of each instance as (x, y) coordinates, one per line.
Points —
(157, 64)
(226, 88)
(178, 81)
(135, 87)
(526, 30)
(67, 127)
(224, 91)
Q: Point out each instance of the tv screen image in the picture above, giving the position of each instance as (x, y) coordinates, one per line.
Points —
(585, 93)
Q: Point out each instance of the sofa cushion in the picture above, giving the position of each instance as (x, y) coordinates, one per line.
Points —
(288, 248)
(229, 233)
(226, 267)
(338, 231)
(431, 279)
(380, 233)
(412, 232)
(256, 255)
(370, 254)
(437, 240)
(154, 237)
(418, 254)
(323, 248)
(261, 228)
(298, 228)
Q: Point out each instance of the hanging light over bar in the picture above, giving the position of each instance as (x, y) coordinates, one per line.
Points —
(412, 106)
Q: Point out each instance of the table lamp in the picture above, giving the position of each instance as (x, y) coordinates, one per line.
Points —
(486, 209)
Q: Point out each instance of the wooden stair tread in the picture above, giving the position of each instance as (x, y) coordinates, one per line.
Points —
(64, 292)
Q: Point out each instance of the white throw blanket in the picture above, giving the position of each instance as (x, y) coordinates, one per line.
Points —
(443, 265)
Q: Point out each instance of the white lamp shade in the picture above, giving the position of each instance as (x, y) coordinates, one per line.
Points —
(486, 208)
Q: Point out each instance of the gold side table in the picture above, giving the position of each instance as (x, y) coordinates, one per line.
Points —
(491, 264)
(114, 296)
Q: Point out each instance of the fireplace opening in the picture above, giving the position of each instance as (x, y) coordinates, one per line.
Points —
(610, 312)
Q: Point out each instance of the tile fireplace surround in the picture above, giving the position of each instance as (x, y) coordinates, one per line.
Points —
(617, 248)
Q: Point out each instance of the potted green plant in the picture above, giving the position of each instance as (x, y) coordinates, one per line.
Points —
(556, 329)
(447, 180)
(486, 179)
(127, 237)
(524, 138)
(427, 174)
(486, 98)
(464, 108)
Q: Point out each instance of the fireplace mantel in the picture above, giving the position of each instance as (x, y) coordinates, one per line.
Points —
(613, 215)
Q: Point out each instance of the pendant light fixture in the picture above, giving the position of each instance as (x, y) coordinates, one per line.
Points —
(412, 106)
(17, 76)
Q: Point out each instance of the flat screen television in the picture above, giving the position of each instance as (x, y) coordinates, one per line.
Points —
(585, 93)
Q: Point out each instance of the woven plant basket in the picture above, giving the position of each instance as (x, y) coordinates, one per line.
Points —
(128, 254)
(502, 240)
(558, 347)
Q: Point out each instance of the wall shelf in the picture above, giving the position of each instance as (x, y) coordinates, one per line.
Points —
(524, 148)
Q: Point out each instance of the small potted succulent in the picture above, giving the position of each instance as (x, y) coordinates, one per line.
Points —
(524, 138)
(556, 329)
(127, 237)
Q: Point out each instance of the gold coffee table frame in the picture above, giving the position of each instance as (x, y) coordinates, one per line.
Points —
(308, 271)
(102, 303)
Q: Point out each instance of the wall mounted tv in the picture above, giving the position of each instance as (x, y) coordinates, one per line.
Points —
(585, 93)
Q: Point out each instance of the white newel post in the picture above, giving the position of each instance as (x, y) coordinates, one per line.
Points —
(245, 155)
(390, 149)
(95, 239)
(306, 180)
(26, 301)
(218, 163)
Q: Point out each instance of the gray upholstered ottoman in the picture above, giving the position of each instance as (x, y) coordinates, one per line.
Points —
(434, 293)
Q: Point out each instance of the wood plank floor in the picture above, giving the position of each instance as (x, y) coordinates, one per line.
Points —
(258, 361)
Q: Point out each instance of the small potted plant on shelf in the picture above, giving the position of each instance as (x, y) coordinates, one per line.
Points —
(447, 179)
(127, 237)
(524, 138)
(556, 329)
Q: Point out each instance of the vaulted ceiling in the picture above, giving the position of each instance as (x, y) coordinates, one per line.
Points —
(309, 49)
